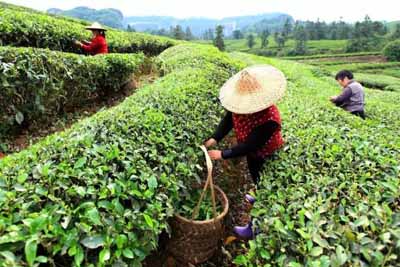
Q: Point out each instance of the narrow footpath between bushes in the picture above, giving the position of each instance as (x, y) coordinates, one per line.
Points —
(234, 179)
(32, 134)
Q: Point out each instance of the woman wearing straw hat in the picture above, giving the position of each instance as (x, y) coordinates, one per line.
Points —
(98, 45)
(249, 98)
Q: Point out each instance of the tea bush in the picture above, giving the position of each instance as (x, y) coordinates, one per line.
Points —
(101, 192)
(34, 29)
(37, 84)
(331, 195)
(378, 81)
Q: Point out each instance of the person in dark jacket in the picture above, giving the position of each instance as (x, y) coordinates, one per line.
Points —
(352, 97)
(249, 98)
(98, 44)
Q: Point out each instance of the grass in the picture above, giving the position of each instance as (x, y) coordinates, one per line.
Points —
(314, 46)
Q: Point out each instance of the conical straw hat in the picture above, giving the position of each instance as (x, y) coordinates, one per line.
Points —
(253, 89)
(96, 26)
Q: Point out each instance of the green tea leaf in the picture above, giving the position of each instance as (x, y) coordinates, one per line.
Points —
(148, 220)
(104, 255)
(127, 253)
(30, 250)
(152, 182)
(316, 251)
(19, 117)
(93, 242)
(341, 255)
(94, 216)
(321, 242)
(78, 258)
(79, 163)
(362, 221)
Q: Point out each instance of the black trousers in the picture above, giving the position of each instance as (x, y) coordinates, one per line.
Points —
(255, 167)
(360, 114)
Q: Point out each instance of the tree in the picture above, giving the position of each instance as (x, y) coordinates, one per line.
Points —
(333, 31)
(320, 30)
(264, 38)
(130, 28)
(379, 28)
(208, 34)
(301, 40)
(250, 41)
(162, 32)
(280, 40)
(287, 28)
(188, 34)
(392, 51)
(396, 33)
(367, 36)
(219, 38)
(237, 34)
(178, 33)
(345, 31)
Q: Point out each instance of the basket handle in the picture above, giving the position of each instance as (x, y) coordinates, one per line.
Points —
(209, 183)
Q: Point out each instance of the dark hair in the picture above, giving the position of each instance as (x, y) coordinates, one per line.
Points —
(343, 74)
(101, 32)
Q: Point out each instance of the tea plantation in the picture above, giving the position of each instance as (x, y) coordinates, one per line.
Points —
(331, 196)
(21, 27)
(101, 192)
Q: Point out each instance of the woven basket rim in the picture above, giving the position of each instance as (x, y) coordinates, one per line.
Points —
(224, 201)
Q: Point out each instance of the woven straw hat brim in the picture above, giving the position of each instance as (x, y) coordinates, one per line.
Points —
(95, 26)
(272, 88)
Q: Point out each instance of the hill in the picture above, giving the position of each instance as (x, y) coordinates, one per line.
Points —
(114, 18)
(392, 25)
(109, 17)
(200, 25)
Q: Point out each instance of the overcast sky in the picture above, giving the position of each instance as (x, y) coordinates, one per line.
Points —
(328, 10)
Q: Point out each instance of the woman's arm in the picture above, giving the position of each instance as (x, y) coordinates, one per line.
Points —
(256, 140)
(92, 46)
(224, 127)
(345, 96)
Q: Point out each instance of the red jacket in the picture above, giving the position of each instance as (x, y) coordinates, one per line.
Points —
(98, 45)
(244, 125)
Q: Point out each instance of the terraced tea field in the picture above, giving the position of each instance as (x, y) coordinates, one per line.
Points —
(102, 191)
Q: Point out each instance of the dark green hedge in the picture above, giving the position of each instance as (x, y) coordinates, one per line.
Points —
(37, 84)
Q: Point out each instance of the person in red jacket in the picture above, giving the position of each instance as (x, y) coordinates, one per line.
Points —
(249, 98)
(98, 45)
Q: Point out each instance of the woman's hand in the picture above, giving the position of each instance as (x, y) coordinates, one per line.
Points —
(77, 43)
(210, 142)
(332, 98)
(215, 154)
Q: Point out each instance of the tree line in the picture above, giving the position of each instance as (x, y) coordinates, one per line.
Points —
(364, 35)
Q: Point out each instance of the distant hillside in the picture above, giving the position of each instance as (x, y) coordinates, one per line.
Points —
(114, 18)
(392, 25)
(109, 17)
(198, 26)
